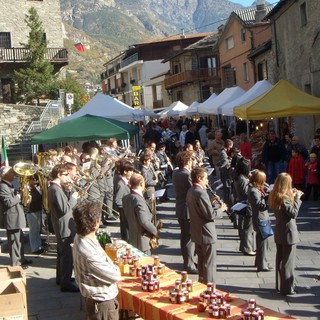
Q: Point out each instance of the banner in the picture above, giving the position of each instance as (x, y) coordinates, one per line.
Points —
(4, 157)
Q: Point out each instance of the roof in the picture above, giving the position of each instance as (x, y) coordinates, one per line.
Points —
(276, 8)
(204, 43)
(175, 38)
(248, 15)
(260, 49)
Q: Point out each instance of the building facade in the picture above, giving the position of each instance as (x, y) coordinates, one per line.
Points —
(194, 72)
(14, 32)
(296, 48)
(136, 75)
(243, 32)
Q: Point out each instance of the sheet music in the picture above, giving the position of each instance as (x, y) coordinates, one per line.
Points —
(219, 186)
(210, 170)
(238, 206)
(270, 187)
(159, 193)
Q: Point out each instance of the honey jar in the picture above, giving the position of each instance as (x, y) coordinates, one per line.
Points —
(184, 276)
(156, 261)
(252, 304)
(128, 251)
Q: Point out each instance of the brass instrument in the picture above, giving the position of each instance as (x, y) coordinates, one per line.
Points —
(25, 170)
(154, 241)
(44, 172)
(82, 191)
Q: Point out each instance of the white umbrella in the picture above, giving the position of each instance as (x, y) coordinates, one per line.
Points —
(259, 88)
(174, 110)
(193, 109)
(228, 94)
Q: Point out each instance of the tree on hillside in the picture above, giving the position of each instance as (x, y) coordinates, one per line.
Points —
(34, 78)
(69, 85)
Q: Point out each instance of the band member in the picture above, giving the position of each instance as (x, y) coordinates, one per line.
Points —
(181, 180)
(121, 188)
(202, 226)
(13, 219)
(61, 206)
(151, 181)
(138, 214)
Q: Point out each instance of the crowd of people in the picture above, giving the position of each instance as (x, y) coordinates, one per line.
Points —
(88, 190)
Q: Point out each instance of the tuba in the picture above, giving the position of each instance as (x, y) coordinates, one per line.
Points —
(25, 170)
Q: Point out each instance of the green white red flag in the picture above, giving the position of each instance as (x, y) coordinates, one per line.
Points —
(4, 156)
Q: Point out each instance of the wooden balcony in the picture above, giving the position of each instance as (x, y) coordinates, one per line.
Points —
(190, 76)
(54, 55)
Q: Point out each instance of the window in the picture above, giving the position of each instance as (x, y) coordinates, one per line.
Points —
(176, 68)
(229, 43)
(262, 70)
(179, 95)
(307, 88)
(5, 40)
(303, 14)
(229, 76)
(243, 35)
(245, 71)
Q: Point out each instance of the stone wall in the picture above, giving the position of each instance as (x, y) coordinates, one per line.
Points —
(13, 13)
(15, 119)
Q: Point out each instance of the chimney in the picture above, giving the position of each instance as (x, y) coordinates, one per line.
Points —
(182, 36)
(260, 10)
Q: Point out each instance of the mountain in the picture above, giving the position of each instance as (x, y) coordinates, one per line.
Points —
(107, 26)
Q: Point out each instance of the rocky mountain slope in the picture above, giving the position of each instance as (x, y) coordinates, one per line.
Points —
(107, 26)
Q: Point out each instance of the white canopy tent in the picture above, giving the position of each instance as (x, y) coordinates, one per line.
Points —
(207, 102)
(212, 106)
(259, 88)
(175, 109)
(193, 109)
(105, 106)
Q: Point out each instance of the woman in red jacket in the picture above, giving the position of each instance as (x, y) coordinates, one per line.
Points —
(296, 169)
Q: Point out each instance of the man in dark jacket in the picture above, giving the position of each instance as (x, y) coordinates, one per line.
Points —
(273, 155)
(13, 217)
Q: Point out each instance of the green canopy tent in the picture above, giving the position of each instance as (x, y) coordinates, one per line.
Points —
(87, 127)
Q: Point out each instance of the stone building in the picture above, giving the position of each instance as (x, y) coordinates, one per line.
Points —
(194, 71)
(296, 47)
(14, 32)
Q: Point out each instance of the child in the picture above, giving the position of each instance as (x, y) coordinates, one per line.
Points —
(296, 169)
(312, 177)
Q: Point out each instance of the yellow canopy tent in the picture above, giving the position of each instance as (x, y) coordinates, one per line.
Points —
(281, 100)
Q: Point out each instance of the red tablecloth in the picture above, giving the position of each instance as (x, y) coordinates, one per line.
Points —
(156, 305)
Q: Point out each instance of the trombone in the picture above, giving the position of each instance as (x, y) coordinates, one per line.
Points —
(84, 190)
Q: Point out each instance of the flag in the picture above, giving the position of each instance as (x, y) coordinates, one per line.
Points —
(4, 157)
(79, 46)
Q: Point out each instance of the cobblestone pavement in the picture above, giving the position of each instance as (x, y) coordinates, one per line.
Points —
(236, 273)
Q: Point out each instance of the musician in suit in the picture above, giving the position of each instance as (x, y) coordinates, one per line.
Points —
(138, 214)
(181, 180)
(245, 227)
(151, 181)
(61, 205)
(202, 226)
(13, 218)
(286, 204)
(258, 200)
(121, 188)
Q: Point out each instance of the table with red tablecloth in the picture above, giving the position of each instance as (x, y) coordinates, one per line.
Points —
(156, 305)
